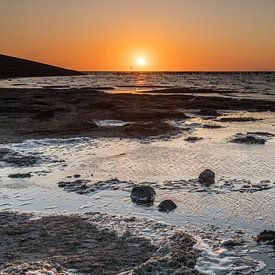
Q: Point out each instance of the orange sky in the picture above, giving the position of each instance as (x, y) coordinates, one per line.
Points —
(173, 35)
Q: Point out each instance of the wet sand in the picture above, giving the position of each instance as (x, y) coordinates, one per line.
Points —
(41, 113)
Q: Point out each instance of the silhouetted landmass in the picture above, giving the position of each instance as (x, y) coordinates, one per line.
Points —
(18, 67)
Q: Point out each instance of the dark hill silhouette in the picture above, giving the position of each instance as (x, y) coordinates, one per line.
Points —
(18, 67)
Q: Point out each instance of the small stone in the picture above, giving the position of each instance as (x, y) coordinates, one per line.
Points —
(143, 194)
(207, 177)
(167, 206)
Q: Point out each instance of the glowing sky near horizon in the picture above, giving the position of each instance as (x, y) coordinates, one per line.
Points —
(174, 35)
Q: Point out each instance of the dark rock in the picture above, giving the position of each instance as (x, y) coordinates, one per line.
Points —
(265, 134)
(212, 126)
(76, 176)
(266, 236)
(209, 112)
(167, 206)
(193, 139)
(238, 119)
(17, 158)
(248, 139)
(231, 242)
(4, 151)
(207, 177)
(143, 194)
(20, 175)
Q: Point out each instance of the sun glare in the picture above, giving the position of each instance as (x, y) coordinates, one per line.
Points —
(141, 61)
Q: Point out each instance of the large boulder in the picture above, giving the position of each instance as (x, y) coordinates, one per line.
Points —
(167, 206)
(143, 194)
(207, 177)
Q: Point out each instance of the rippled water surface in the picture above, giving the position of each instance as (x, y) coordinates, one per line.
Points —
(256, 85)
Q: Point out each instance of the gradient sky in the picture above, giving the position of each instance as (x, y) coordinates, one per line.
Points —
(177, 35)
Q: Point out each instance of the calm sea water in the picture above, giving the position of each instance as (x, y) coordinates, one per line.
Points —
(256, 85)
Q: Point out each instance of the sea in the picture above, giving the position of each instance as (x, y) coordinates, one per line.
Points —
(244, 84)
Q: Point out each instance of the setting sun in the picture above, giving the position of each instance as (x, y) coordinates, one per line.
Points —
(141, 61)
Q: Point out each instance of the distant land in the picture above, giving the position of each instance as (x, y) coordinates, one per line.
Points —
(17, 67)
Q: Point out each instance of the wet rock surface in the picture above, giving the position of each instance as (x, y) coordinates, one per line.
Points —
(17, 158)
(143, 194)
(64, 243)
(167, 206)
(252, 138)
(212, 126)
(177, 257)
(267, 236)
(34, 268)
(222, 186)
(209, 112)
(207, 177)
(79, 186)
(20, 175)
(238, 119)
(193, 139)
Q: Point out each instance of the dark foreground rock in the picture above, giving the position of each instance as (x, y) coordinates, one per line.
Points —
(238, 119)
(167, 206)
(66, 242)
(16, 158)
(209, 112)
(20, 175)
(143, 194)
(267, 236)
(248, 139)
(193, 139)
(207, 177)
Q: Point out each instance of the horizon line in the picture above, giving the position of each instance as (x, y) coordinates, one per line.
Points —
(171, 71)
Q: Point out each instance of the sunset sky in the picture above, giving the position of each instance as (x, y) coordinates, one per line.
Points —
(169, 35)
